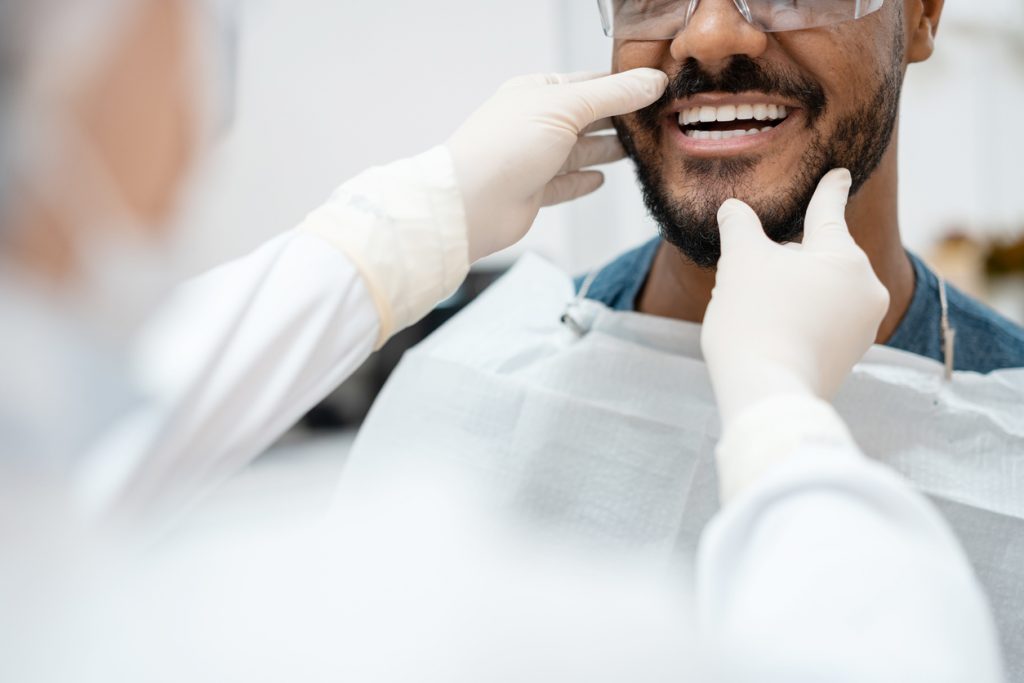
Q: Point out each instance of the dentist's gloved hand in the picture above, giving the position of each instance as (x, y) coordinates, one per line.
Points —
(414, 227)
(790, 319)
(785, 326)
(526, 148)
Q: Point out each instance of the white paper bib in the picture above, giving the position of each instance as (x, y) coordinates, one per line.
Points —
(607, 426)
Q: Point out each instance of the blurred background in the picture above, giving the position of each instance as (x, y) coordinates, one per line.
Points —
(328, 88)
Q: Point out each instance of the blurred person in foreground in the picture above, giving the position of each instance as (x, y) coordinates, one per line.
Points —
(102, 120)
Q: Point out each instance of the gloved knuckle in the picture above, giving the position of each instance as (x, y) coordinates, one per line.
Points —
(585, 107)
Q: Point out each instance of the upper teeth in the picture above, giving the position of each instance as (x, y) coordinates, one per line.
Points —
(741, 112)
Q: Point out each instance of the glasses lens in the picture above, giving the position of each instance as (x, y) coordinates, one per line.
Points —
(664, 19)
(644, 19)
(792, 15)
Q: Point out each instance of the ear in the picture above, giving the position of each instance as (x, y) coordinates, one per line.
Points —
(922, 25)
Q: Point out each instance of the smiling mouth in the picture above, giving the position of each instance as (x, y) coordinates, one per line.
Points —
(731, 121)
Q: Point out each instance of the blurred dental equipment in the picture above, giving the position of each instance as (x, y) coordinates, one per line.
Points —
(104, 126)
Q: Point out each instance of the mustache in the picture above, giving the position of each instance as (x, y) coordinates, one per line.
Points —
(742, 74)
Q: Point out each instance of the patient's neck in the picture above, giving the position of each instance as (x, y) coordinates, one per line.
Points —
(676, 288)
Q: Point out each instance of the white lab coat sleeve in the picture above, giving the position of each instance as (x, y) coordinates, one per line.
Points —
(827, 567)
(404, 227)
(239, 354)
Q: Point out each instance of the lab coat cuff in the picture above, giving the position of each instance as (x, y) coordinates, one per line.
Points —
(404, 228)
(770, 433)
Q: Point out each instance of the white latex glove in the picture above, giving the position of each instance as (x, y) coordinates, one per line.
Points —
(526, 148)
(790, 319)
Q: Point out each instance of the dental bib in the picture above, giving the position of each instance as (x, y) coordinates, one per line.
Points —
(604, 424)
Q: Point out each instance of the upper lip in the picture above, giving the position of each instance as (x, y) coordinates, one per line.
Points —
(725, 99)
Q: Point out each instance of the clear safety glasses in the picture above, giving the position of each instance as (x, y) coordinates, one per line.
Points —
(665, 19)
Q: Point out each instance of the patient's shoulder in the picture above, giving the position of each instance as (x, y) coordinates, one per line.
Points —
(985, 340)
(984, 337)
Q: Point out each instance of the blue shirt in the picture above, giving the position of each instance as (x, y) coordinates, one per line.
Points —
(985, 341)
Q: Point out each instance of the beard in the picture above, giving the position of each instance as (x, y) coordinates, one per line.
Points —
(858, 142)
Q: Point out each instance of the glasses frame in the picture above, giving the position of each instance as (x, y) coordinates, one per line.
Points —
(742, 6)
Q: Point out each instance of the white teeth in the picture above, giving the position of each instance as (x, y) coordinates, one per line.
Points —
(727, 114)
(721, 134)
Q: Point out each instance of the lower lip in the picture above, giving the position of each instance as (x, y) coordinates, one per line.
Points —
(733, 146)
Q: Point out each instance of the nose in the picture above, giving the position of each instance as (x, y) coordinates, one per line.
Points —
(716, 33)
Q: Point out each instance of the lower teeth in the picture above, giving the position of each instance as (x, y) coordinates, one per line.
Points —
(724, 134)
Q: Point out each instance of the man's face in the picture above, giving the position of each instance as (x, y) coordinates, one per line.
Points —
(830, 95)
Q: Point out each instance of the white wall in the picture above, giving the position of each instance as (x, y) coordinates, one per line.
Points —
(962, 147)
(328, 87)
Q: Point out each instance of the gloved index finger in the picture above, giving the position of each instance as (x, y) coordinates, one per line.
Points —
(825, 226)
(615, 95)
(594, 150)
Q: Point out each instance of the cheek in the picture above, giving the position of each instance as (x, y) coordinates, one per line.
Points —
(633, 54)
(848, 61)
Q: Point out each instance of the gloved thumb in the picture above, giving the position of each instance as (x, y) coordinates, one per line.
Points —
(825, 226)
(739, 227)
(615, 95)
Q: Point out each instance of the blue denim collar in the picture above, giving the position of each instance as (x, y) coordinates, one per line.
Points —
(618, 286)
